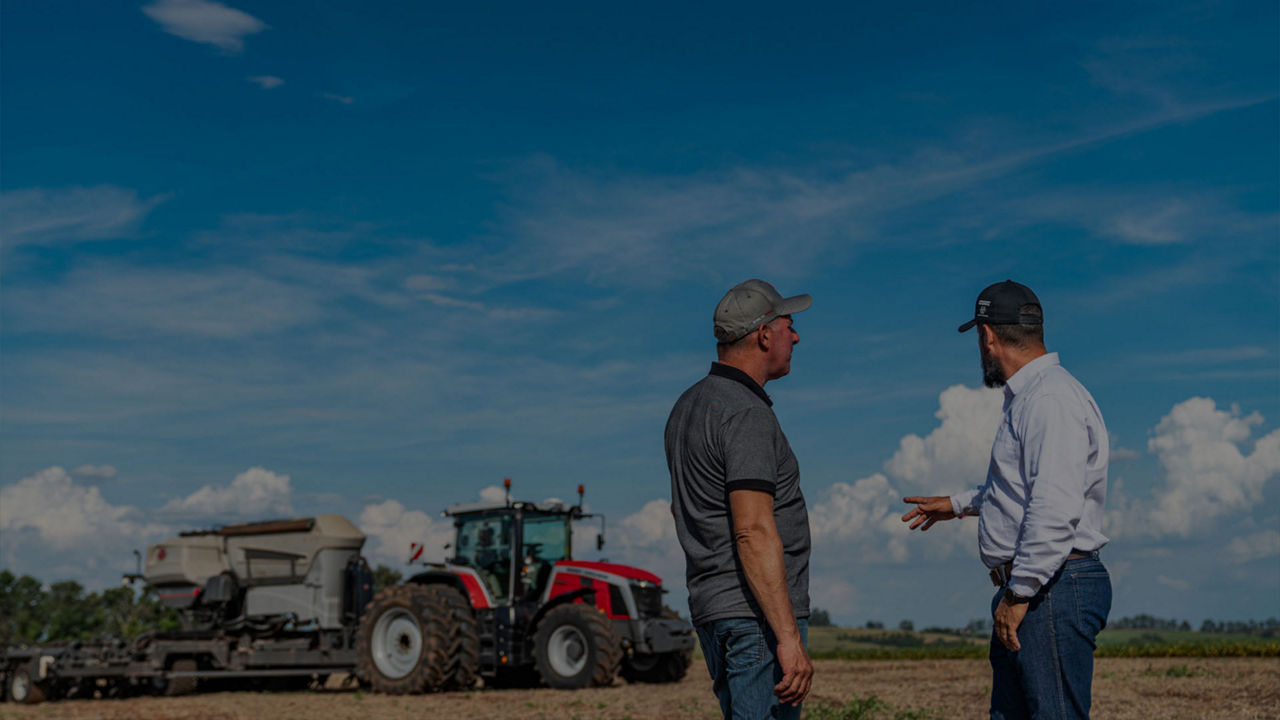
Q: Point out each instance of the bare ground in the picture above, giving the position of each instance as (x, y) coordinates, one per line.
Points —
(1124, 689)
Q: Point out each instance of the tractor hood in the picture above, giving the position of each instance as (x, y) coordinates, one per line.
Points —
(626, 571)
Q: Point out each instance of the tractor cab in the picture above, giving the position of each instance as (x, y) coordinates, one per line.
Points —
(514, 546)
(513, 549)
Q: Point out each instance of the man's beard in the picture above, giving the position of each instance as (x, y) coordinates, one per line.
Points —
(992, 374)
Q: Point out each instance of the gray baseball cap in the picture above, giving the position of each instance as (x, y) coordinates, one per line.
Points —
(750, 304)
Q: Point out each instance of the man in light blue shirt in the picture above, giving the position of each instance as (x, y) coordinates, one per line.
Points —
(1039, 515)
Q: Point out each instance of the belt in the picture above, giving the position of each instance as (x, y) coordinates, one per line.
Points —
(1001, 574)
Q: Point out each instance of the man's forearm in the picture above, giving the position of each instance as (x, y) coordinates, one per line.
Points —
(760, 550)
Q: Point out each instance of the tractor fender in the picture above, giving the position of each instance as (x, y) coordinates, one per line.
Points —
(465, 579)
(558, 600)
(437, 577)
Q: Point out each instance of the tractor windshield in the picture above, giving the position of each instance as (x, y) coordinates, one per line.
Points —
(545, 540)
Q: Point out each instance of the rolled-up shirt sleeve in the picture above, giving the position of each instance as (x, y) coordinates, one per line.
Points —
(967, 503)
(1055, 453)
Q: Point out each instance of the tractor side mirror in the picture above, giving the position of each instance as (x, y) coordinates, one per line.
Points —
(599, 541)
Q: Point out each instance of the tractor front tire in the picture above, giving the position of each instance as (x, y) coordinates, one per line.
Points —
(463, 650)
(667, 667)
(403, 642)
(576, 646)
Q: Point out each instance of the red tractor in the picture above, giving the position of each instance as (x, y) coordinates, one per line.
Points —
(514, 607)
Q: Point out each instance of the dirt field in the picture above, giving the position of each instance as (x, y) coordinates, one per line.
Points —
(1124, 689)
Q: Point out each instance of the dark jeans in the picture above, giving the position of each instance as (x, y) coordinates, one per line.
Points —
(1051, 677)
(742, 657)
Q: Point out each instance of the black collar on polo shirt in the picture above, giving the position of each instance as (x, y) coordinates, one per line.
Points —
(733, 373)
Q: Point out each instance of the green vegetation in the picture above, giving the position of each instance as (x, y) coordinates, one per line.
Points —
(33, 613)
(836, 643)
(865, 708)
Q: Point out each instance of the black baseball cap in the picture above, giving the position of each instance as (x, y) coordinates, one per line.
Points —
(1000, 304)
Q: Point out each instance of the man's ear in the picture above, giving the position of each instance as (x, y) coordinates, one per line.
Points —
(762, 336)
(988, 338)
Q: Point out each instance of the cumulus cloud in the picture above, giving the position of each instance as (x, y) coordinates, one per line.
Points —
(862, 519)
(391, 530)
(266, 82)
(204, 21)
(255, 493)
(1205, 472)
(55, 528)
(958, 450)
(37, 216)
(1257, 546)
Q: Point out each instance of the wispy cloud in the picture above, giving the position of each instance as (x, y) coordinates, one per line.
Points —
(266, 82)
(205, 21)
(344, 99)
(115, 301)
(1204, 356)
(38, 216)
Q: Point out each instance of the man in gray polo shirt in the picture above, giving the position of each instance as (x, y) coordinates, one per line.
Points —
(739, 512)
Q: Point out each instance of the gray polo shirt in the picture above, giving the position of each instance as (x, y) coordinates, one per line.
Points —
(722, 436)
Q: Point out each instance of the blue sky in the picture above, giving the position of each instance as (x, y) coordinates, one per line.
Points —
(282, 258)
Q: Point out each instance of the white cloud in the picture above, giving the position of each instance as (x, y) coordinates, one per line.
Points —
(255, 493)
(860, 520)
(493, 493)
(1257, 546)
(344, 99)
(266, 82)
(1175, 583)
(391, 530)
(204, 21)
(959, 449)
(36, 216)
(1205, 473)
(53, 528)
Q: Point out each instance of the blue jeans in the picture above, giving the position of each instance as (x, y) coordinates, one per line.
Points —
(742, 657)
(1051, 677)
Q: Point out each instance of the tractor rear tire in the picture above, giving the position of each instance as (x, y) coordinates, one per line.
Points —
(576, 646)
(463, 650)
(667, 667)
(403, 641)
(23, 689)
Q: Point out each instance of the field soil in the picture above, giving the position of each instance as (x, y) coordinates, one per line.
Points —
(1124, 689)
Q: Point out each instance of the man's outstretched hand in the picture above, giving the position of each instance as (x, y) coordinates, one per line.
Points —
(927, 511)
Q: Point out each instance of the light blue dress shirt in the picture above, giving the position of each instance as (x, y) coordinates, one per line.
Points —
(1047, 482)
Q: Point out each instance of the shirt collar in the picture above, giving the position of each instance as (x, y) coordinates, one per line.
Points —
(1028, 372)
(733, 373)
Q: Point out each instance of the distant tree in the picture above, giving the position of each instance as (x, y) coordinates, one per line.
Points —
(21, 609)
(977, 626)
(384, 577)
(128, 612)
(875, 625)
(819, 618)
(906, 626)
(1208, 626)
(1185, 626)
